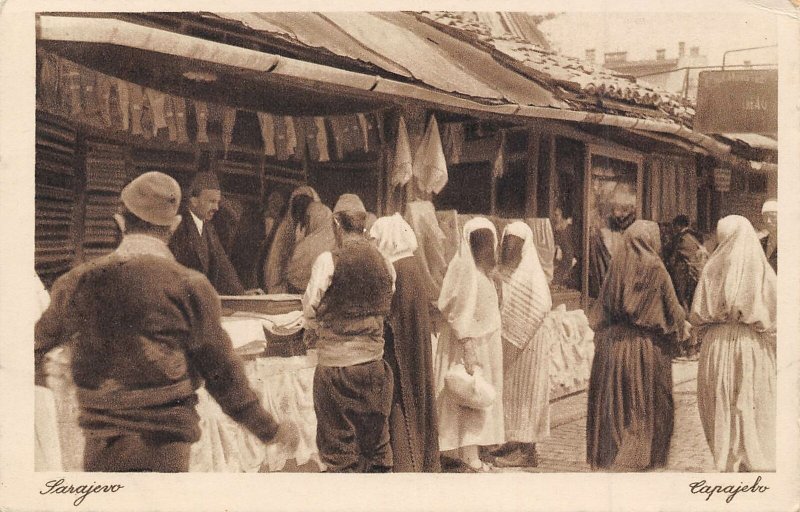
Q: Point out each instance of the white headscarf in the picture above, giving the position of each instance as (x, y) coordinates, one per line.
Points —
(396, 240)
(459, 297)
(737, 283)
(526, 295)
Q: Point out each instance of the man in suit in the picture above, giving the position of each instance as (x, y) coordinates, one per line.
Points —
(195, 243)
(769, 239)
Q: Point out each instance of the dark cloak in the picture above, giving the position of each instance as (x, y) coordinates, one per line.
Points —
(412, 423)
(638, 322)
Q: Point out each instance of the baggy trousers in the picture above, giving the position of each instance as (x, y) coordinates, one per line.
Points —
(352, 404)
(135, 453)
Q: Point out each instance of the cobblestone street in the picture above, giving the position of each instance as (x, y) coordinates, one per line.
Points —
(565, 450)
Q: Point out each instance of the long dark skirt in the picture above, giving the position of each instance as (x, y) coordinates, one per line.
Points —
(631, 411)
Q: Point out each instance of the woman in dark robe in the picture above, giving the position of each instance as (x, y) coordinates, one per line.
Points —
(637, 320)
(412, 423)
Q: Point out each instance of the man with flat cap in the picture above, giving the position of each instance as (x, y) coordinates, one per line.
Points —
(769, 239)
(195, 243)
(348, 296)
(145, 333)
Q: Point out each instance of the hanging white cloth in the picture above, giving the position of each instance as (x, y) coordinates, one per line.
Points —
(430, 166)
(402, 162)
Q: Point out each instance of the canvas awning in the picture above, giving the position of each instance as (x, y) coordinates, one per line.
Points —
(754, 140)
(274, 83)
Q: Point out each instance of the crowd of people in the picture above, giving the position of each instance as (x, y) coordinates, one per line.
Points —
(404, 383)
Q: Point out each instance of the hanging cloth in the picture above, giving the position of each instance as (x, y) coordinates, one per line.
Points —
(281, 144)
(136, 103)
(124, 99)
(453, 142)
(201, 114)
(402, 166)
(169, 115)
(322, 139)
(157, 100)
(291, 135)
(499, 166)
(339, 131)
(362, 121)
(47, 87)
(228, 122)
(103, 85)
(267, 124)
(179, 109)
(309, 129)
(429, 167)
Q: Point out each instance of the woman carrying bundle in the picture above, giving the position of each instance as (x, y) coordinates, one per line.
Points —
(470, 337)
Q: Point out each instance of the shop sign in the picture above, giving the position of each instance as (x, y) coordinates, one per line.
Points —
(722, 180)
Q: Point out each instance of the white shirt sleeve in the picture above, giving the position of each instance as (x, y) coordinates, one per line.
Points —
(321, 275)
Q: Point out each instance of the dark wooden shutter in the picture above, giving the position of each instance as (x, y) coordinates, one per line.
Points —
(106, 175)
(55, 197)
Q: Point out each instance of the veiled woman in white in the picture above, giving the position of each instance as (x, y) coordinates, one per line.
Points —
(735, 308)
(471, 334)
(527, 335)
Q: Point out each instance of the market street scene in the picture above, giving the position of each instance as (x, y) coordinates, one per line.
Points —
(405, 242)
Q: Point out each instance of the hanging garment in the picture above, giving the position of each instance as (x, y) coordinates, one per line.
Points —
(308, 128)
(422, 218)
(47, 90)
(402, 165)
(453, 142)
(179, 110)
(201, 114)
(322, 139)
(291, 135)
(157, 100)
(339, 131)
(169, 115)
(362, 122)
(123, 95)
(267, 124)
(429, 167)
(228, 122)
(499, 165)
(136, 103)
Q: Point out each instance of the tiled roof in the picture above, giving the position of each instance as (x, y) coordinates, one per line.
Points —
(586, 83)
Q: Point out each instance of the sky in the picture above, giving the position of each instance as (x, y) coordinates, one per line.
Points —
(641, 34)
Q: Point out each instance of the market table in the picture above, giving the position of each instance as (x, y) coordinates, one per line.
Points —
(284, 385)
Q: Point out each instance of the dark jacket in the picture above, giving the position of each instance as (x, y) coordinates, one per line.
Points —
(773, 259)
(188, 246)
(146, 333)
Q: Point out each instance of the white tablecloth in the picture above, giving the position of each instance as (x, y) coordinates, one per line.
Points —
(283, 384)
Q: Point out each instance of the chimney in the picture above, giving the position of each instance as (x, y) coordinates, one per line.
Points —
(694, 51)
(681, 49)
(748, 64)
(613, 57)
(590, 55)
(661, 54)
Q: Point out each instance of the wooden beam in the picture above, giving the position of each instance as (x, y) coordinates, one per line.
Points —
(532, 185)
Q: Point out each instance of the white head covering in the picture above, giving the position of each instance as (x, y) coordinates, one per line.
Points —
(771, 205)
(459, 297)
(396, 240)
(737, 283)
(526, 295)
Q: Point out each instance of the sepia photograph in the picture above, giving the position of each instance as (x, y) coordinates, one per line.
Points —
(539, 244)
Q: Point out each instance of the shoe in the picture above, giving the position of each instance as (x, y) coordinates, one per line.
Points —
(525, 456)
(485, 467)
(504, 449)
